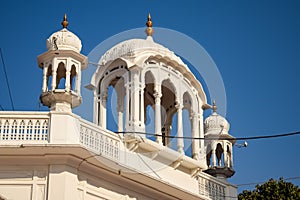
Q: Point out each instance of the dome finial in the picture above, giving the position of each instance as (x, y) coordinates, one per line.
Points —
(149, 22)
(214, 107)
(149, 30)
(65, 23)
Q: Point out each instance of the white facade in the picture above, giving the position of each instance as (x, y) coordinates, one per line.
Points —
(59, 155)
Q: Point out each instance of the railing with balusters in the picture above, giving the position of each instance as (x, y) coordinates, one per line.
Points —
(33, 127)
(211, 189)
(99, 141)
(21, 126)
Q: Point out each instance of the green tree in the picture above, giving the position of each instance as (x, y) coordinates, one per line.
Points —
(273, 190)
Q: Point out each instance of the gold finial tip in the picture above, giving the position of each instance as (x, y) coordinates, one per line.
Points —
(214, 107)
(149, 22)
(65, 23)
(149, 30)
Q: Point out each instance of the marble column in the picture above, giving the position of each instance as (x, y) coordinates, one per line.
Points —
(195, 134)
(157, 111)
(180, 142)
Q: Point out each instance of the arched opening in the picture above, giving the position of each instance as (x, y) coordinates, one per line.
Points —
(219, 154)
(208, 155)
(187, 132)
(111, 111)
(111, 100)
(73, 77)
(61, 76)
(149, 122)
(49, 77)
(172, 141)
(149, 101)
(228, 159)
(168, 116)
(187, 125)
(110, 97)
(120, 107)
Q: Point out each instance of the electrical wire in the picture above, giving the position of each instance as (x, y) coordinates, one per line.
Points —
(215, 138)
(258, 183)
(6, 78)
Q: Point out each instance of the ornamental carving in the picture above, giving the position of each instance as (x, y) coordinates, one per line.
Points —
(131, 49)
(64, 40)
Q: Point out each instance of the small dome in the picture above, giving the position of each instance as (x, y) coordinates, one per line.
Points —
(64, 40)
(216, 124)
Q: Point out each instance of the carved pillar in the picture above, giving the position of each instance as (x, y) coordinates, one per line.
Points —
(135, 104)
(157, 109)
(142, 109)
(180, 143)
(225, 154)
(120, 115)
(120, 104)
(195, 134)
(120, 107)
(102, 116)
(68, 77)
(166, 131)
(213, 154)
(201, 133)
(97, 109)
(45, 71)
(134, 100)
(54, 73)
(128, 109)
(231, 157)
(78, 79)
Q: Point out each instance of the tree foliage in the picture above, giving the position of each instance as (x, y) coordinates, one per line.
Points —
(272, 189)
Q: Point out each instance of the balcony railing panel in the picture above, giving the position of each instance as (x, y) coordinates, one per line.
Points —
(99, 141)
(15, 126)
(211, 189)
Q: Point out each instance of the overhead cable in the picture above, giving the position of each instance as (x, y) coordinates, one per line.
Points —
(6, 78)
(214, 138)
(258, 183)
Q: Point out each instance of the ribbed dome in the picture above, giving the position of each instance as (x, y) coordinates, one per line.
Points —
(216, 124)
(132, 47)
(64, 40)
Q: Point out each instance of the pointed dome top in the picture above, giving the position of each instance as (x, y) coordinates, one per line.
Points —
(215, 123)
(149, 30)
(131, 48)
(64, 39)
(65, 23)
(149, 22)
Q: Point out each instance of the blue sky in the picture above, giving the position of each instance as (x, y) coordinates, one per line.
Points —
(255, 45)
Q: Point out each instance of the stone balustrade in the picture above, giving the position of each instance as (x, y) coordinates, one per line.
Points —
(211, 188)
(99, 141)
(33, 127)
(28, 127)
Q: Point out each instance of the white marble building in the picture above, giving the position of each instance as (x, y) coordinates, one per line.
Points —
(58, 155)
